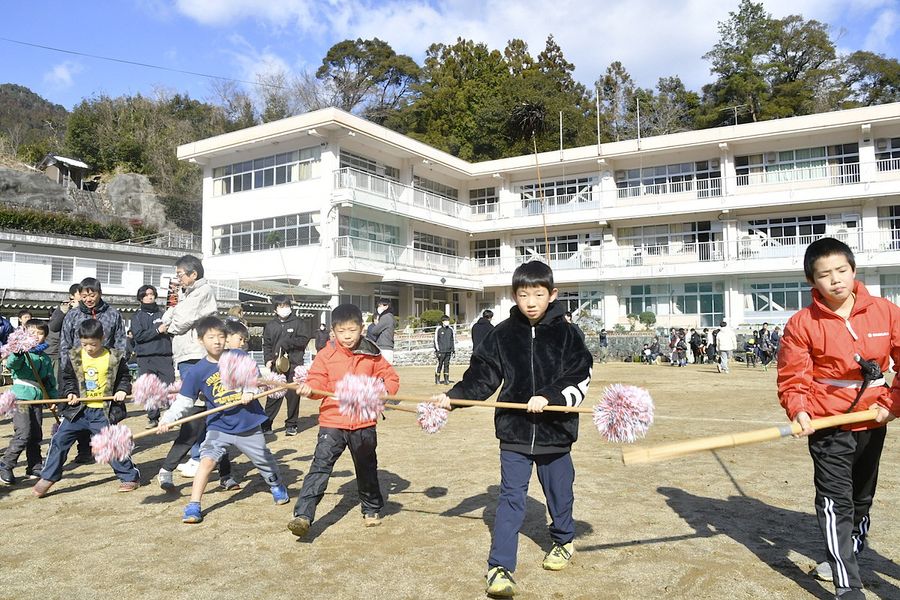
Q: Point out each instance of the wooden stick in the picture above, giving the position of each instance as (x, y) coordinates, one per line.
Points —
(514, 405)
(633, 456)
(206, 413)
(65, 401)
(391, 406)
(405, 409)
(40, 382)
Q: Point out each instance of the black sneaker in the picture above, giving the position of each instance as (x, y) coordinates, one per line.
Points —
(6, 475)
(290, 431)
(35, 472)
(84, 459)
(151, 424)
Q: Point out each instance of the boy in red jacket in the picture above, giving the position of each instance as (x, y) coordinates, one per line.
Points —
(351, 353)
(818, 376)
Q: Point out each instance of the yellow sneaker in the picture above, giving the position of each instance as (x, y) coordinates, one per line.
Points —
(500, 583)
(299, 526)
(371, 520)
(559, 556)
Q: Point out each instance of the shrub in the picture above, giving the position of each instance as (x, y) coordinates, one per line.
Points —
(431, 318)
(33, 221)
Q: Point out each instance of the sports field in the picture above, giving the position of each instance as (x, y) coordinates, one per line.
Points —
(736, 523)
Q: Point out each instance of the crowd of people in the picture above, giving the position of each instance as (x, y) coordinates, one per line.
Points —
(718, 347)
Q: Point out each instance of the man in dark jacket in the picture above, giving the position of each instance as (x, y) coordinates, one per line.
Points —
(55, 325)
(444, 347)
(382, 330)
(285, 335)
(481, 328)
(322, 337)
(152, 348)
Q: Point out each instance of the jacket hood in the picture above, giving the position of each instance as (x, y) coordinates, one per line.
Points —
(365, 346)
(555, 310)
(863, 299)
(101, 306)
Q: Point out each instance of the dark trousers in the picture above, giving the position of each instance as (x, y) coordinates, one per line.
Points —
(329, 447)
(273, 405)
(161, 366)
(845, 473)
(91, 420)
(443, 364)
(557, 476)
(27, 436)
(187, 436)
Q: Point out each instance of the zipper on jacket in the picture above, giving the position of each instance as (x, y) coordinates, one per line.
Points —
(850, 329)
(533, 418)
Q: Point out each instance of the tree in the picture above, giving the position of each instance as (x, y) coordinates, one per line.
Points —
(872, 78)
(617, 94)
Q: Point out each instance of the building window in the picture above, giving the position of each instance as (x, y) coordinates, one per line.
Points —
(556, 193)
(644, 298)
(263, 234)
(706, 301)
(704, 176)
(770, 297)
(152, 275)
(890, 288)
(839, 162)
(787, 231)
(582, 302)
(355, 161)
(392, 173)
(277, 169)
(61, 270)
(109, 272)
(483, 201)
(485, 252)
(887, 153)
(368, 230)
(436, 187)
(435, 243)
(561, 247)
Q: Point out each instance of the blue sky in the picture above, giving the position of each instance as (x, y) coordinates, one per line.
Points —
(241, 38)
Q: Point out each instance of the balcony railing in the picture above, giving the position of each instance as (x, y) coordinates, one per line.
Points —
(354, 179)
(888, 164)
(838, 174)
(700, 188)
(564, 203)
(399, 257)
(675, 252)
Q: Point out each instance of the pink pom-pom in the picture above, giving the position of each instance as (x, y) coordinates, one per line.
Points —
(360, 397)
(172, 391)
(624, 414)
(301, 373)
(8, 404)
(431, 418)
(237, 370)
(150, 392)
(114, 442)
(21, 340)
(274, 381)
(4, 351)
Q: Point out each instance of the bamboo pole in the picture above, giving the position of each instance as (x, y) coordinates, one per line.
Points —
(66, 401)
(633, 456)
(513, 405)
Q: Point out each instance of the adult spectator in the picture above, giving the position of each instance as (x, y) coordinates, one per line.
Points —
(23, 317)
(55, 324)
(726, 344)
(696, 346)
(382, 330)
(322, 337)
(152, 348)
(6, 328)
(285, 339)
(481, 328)
(444, 347)
(568, 317)
(603, 345)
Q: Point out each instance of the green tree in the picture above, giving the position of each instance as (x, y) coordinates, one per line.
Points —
(872, 78)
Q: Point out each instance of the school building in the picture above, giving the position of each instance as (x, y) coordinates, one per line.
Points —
(695, 226)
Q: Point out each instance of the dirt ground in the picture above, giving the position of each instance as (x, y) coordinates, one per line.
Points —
(736, 523)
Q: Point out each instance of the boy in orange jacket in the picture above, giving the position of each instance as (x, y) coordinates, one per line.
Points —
(349, 353)
(819, 375)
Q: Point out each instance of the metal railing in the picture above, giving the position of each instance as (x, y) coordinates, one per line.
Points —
(168, 239)
(675, 252)
(355, 179)
(833, 174)
(565, 203)
(702, 188)
(404, 257)
(888, 164)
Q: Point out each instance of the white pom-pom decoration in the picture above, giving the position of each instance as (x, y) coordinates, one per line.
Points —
(8, 404)
(237, 370)
(624, 414)
(21, 340)
(360, 397)
(430, 417)
(150, 392)
(172, 391)
(114, 442)
(274, 381)
(301, 373)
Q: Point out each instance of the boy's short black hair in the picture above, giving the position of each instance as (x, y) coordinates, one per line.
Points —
(445, 318)
(488, 314)
(143, 290)
(39, 325)
(346, 313)
(24, 312)
(90, 284)
(233, 326)
(190, 264)
(280, 299)
(75, 287)
(821, 248)
(90, 329)
(209, 323)
(534, 273)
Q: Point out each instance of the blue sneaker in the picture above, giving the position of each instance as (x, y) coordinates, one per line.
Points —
(192, 513)
(280, 494)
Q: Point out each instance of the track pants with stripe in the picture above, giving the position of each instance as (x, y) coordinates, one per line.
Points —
(845, 467)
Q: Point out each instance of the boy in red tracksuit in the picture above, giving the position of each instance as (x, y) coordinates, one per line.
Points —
(819, 375)
(349, 353)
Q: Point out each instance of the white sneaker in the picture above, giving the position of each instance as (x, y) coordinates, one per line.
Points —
(823, 571)
(181, 467)
(190, 468)
(165, 479)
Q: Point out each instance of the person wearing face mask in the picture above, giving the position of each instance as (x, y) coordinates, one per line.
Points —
(444, 347)
(382, 330)
(322, 337)
(152, 348)
(284, 343)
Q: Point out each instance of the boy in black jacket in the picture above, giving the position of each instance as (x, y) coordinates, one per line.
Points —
(90, 371)
(285, 335)
(539, 359)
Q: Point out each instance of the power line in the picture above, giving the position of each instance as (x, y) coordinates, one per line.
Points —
(140, 64)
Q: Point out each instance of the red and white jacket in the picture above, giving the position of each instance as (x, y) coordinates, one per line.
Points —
(816, 365)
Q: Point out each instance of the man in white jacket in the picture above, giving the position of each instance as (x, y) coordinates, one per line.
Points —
(726, 343)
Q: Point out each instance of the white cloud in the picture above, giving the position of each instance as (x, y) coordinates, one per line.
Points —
(61, 75)
(885, 26)
(251, 61)
(652, 38)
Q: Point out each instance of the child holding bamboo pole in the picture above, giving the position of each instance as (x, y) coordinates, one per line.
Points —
(33, 376)
(540, 360)
(822, 371)
(240, 427)
(90, 371)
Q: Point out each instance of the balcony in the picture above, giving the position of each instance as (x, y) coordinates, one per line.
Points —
(372, 256)
(382, 193)
(678, 190)
(804, 177)
(673, 253)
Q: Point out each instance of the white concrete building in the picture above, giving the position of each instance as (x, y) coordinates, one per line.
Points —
(693, 226)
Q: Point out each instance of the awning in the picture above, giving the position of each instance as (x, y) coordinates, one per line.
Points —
(302, 297)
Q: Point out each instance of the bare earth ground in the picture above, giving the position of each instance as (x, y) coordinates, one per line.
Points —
(737, 523)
